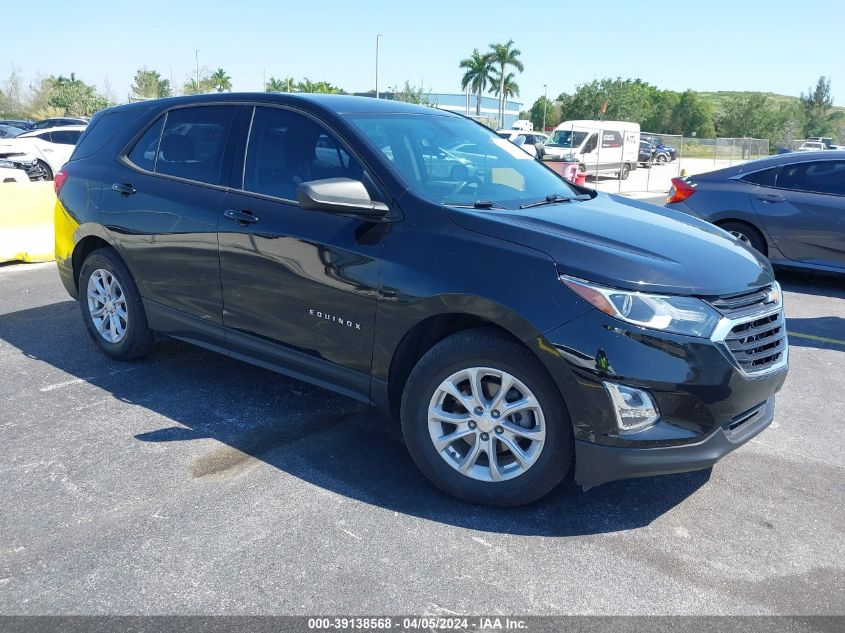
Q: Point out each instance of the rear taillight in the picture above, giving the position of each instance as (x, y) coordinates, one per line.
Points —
(59, 180)
(680, 191)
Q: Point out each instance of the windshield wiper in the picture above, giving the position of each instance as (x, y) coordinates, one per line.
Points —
(478, 204)
(554, 198)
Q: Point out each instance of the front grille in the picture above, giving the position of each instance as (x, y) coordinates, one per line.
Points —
(754, 334)
(743, 303)
(758, 344)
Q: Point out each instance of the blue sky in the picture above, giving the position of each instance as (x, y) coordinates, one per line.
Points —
(775, 45)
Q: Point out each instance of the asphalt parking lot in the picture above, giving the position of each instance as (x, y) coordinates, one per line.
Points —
(189, 483)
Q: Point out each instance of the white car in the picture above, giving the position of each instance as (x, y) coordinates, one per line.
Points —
(812, 146)
(9, 173)
(526, 139)
(52, 146)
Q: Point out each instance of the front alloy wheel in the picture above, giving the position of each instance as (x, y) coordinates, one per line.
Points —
(486, 424)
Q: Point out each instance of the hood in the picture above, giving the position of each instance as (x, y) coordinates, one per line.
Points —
(628, 244)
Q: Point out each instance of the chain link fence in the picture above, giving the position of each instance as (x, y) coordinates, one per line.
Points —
(677, 156)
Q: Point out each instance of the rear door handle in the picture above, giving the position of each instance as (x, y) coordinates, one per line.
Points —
(241, 217)
(125, 189)
(770, 197)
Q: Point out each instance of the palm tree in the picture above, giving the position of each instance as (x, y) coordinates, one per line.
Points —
(276, 85)
(477, 75)
(509, 86)
(502, 56)
(221, 81)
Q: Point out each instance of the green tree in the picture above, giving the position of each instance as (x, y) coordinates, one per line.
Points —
(614, 99)
(660, 120)
(502, 57)
(220, 81)
(73, 96)
(148, 84)
(756, 115)
(319, 87)
(478, 75)
(693, 116)
(816, 105)
(205, 86)
(411, 93)
(535, 114)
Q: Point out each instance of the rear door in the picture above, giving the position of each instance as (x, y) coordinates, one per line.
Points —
(161, 204)
(805, 212)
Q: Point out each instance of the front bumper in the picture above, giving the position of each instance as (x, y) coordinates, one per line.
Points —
(597, 464)
(701, 397)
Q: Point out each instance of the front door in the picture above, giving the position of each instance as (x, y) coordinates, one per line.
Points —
(299, 286)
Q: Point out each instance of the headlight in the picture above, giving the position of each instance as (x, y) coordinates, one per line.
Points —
(668, 313)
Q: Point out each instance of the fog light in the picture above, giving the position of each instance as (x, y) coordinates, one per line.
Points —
(634, 408)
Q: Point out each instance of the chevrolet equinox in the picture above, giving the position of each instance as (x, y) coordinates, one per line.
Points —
(518, 326)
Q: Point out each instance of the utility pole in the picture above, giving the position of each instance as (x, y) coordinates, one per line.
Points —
(545, 105)
(197, 55)
(264, 80)
(378, 37)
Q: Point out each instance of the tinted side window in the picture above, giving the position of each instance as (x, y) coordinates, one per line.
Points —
(144, 153)
(67, 137)
(286, 149)
(193, 142)
(826, 176)
(102, 128)
(765, 178)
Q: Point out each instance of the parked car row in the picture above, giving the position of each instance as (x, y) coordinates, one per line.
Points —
(41, 152)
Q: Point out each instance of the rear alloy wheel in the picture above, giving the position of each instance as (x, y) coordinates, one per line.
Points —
(746, 234)
(111, 307)
(661, 159)
(484, 422)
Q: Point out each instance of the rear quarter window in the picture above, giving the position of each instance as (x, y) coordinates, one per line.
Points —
(102, 128)
(764, 178)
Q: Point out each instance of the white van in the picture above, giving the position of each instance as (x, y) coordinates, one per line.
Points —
(615, 155)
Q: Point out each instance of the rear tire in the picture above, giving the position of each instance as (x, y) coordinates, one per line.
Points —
(623, 173)
(533, 446)
(746, 234)
(661, 159)
(112, 308)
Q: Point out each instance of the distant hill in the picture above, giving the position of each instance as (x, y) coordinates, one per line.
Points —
(718, 99)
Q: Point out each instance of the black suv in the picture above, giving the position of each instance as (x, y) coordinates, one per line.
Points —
(517, 325)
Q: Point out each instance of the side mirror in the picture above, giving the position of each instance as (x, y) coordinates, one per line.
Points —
(341, 195)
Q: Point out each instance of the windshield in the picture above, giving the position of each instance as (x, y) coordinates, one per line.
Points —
(452, 160)
(566, 138)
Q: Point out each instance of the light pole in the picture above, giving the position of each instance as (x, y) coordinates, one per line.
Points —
(545, 105)
(378, 37)
(197, 56)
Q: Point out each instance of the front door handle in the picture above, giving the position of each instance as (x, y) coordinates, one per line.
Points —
(241, 217)
(770, 197)
(125, 189)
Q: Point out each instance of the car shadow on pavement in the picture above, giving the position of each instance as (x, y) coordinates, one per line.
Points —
(330, 441)
(818, 284)
(817, 332)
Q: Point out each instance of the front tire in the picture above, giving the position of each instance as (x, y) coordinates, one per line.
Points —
(484, 422)
(111, 307)
(45, 169)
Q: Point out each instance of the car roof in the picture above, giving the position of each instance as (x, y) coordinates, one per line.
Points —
(791, 157)
(337, 104)
(58, 128)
